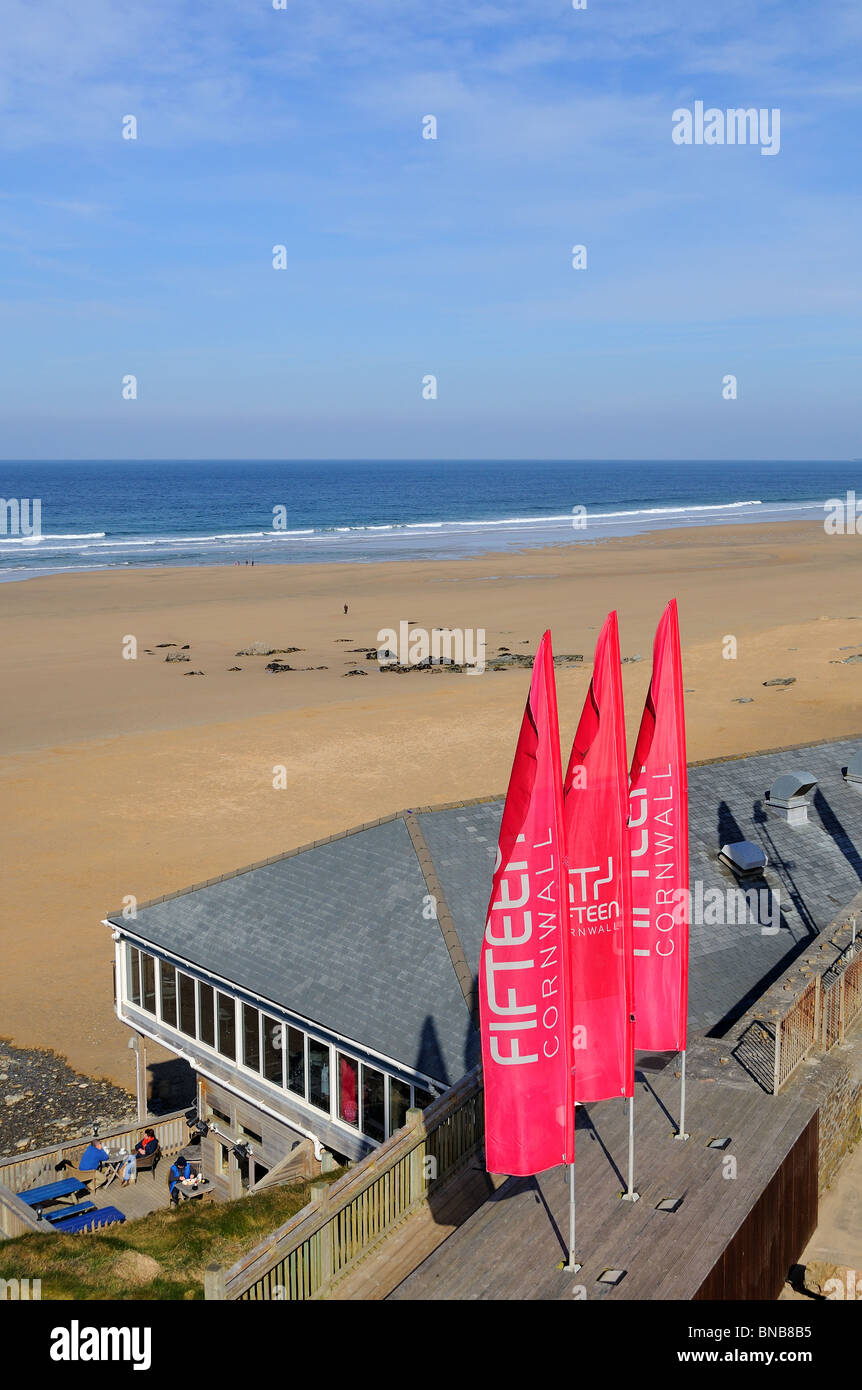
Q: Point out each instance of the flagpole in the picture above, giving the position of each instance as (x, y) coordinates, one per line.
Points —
(631, 1195)
(572, 1266)
(681, 1134)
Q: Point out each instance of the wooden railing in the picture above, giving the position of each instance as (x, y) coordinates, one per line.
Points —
(16, 1218)
(39, 1166)
(346, 1219)
(796, 1033)
(842, 996)
(853, 990)
(819, 1018)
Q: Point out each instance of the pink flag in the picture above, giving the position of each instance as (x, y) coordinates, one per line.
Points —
(523, 967)
(595, 799)
(659, 851)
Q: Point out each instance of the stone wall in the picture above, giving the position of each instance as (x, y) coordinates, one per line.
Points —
(840, 1113)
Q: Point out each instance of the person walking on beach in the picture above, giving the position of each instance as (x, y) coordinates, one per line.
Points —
(345, 607)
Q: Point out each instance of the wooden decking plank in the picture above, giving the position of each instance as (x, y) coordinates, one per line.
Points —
(509, 1249)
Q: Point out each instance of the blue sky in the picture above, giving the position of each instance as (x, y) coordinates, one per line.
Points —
(406, 256)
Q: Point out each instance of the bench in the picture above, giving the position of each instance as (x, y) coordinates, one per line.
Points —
(90, 1220)
(63, 1213)
(52, 1192)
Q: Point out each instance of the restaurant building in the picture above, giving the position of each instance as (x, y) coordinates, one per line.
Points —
(320, 995)
(315, 996)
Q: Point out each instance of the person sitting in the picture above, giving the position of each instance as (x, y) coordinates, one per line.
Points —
(143, 1148)
(180, 1169)
(93, 1156)
(88, 1164)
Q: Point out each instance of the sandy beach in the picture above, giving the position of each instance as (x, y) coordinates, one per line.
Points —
(134, 777)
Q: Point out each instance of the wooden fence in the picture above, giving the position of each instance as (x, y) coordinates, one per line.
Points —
(346, 1219)
(821, 1015)
(796, 1034)
(842, 997)
(39, 1166)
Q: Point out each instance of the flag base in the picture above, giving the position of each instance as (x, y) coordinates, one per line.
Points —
(630, 1196)
(570, 1268)
(681, 1136)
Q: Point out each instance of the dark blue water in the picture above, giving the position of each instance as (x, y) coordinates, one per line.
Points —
(105, 514)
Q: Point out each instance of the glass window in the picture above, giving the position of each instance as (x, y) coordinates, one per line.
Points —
(222, 1159)
(273, 1038)
(399, 1103)
(296, 1061)
(318, 1074)
(348, 1090)
(226, 1026)
(206, 1011)
(133, 974)
(421, 1098)
(373, 1114)
(251, 1037)
(187, 1004)
(168, 976)
(148, 983)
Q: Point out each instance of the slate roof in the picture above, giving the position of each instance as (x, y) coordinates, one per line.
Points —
(339, 933)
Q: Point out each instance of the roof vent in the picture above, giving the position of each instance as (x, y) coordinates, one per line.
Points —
(787, 796)
(744, 857)
(853, 772)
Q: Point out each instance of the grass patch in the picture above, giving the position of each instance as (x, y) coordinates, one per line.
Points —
(115, 1263)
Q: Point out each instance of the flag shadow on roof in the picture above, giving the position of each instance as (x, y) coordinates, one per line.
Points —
(835, 828)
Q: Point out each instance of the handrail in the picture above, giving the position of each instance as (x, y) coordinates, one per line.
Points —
(842, 997)
(16, 1218)
(819, 1017)
(346, 1219)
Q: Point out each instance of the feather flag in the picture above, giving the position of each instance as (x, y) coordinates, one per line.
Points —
(595, 811)
(658, 800)
(523, 969)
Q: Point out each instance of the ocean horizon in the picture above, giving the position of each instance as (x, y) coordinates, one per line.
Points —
(111, 515)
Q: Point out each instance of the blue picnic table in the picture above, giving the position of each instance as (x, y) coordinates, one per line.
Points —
(62, 1213)
(90, 1220)
(49, 1192)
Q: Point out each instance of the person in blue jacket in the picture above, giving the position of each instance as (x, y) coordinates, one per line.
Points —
(93, 1156)
(180, 1168)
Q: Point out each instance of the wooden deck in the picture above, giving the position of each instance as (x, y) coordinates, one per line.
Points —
(375, 1277)
(512, 1246)
(143, 1196)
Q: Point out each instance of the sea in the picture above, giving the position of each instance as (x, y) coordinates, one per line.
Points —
(114, 515)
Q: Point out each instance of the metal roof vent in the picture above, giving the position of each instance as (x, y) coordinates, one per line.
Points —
(787, 796)
(744, 857)
(853, 772)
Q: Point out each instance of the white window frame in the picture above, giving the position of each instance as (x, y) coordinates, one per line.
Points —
(333, 1045)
